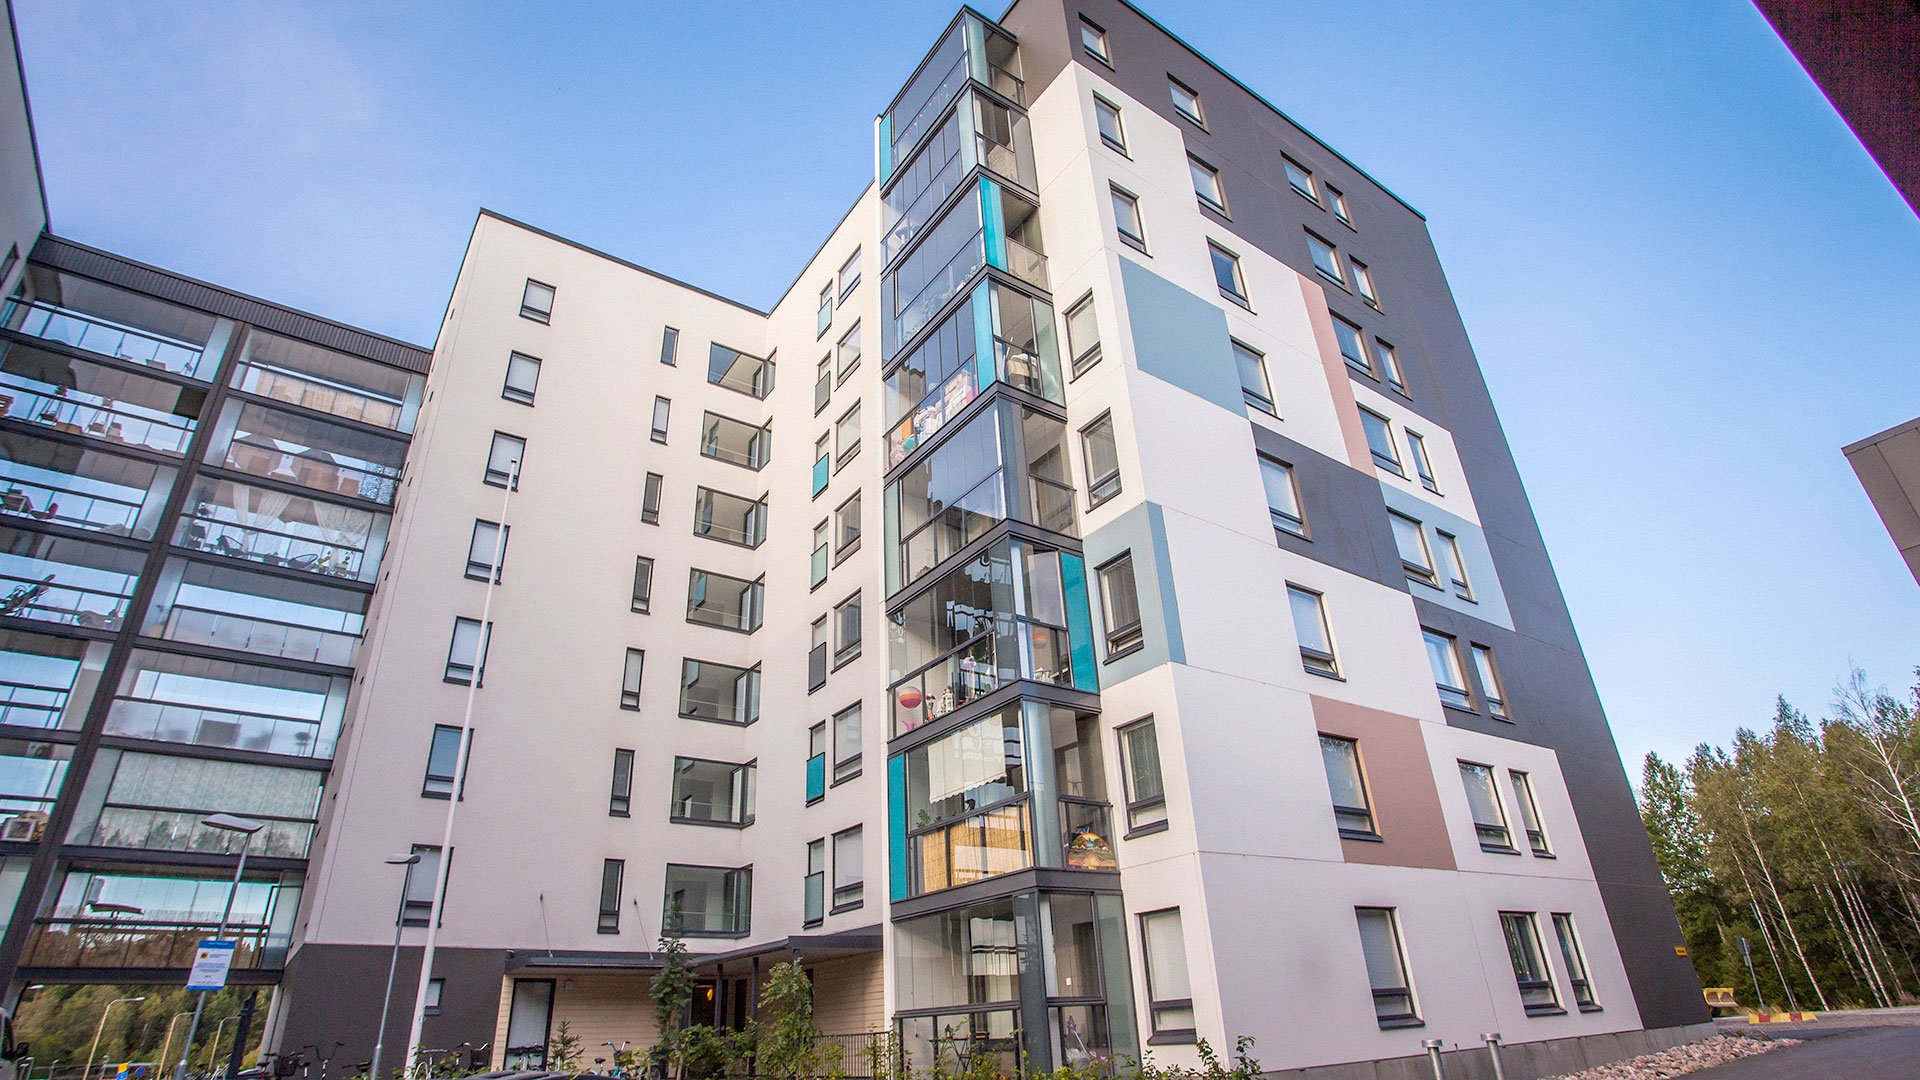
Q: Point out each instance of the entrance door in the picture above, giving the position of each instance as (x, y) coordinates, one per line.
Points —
(528, 1020)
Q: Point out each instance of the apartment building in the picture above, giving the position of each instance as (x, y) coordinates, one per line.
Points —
(1094, 610)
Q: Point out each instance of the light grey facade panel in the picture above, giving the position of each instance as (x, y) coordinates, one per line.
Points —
(1180, 337)
(1489, 603)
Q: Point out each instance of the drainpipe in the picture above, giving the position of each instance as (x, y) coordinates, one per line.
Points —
(1433, 1058)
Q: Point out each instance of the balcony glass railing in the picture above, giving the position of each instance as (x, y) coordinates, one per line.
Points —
(203, 725)
(24, 704)
(267, 637)
(1026, 264)
(130, 943)
(922, 188)
(919, 290)
(318, 395)
(991, 842)
(103, 336)
(65, 593)
(74, 506)
(150, 829)
(78, 413)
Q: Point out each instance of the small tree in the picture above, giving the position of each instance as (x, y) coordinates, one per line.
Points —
(672, 990)
(790, 1046)
(563, 1055)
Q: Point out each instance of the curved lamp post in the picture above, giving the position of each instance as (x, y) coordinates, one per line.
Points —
(246, 827)
(399, 921)
(88, 1074)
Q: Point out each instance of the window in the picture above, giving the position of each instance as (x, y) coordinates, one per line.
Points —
(846, 437)
(848, 874)
(1106, 116)
(1083, 334)
(1363, 281)
(1444, 659)
(536, 301)
(1300, 180)
(1283, 498)
(1103, 460)
(1120, 605)
(670, 347)
(1453, 568)
(1380, 440)
(729, 518)
(416, 899)
(1186, 101)
(1352, 346)
(467, 655)
(642, 584)
(846, 621)
(1529, 813)
(650, 499)
(523, 377)
(436, 988)
(1339, 203)
(822, 461)
(1126, 218)
(1489, 674)
(661, 406)
(1325, 259)
(708, 901)
(1390, 363)
(1411, 539)
(825, 317)
(1226, 274)
(1422, 466)
(846, 743)
(1206, 185)
(817, 569)
(849, 275)
(443, 756)
(721, 693)
(847, 527)
(504, 460)
(712, 792)
(1310, 625)
(823, 384)
(847, 353)
(1352, 811)
(724, 602)
(630, 678)
(817, 655)
(620, 798)
(1169, 994)
(1140, 768)
(1094, 40)
(1530, 972)
(482, 548)
(1576, 961)
(1489, 818)
(816, 763)
(815, 883)
(612, 872)
(1253, 378)
(1386, 967)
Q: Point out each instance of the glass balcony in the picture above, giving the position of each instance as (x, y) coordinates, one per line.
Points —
(52, 482)
(972, 49)
(978, 132)
(230, 608)
(128, 326)
(173, 901)
(729, 603)
(95, 401)
(41, 679)
(156, 802)
(736, 370)
(731, 519)
(328, 458)
(275, 528)
(942, 375)
(30, 777)
(72, 582)
(723, 438)
(95, 942)
(323, 380)
(202, 702)
(709, 901)
(997, 228)
(719, 692)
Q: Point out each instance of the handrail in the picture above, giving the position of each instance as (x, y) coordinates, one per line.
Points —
(333, 560)
(161, 344)
(147, 719)
(18, 499)
(271, 376)
(25, 595)
(93, 419)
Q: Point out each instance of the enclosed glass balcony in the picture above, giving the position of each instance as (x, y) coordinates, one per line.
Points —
(326, 381)
(157, 802)
(30, 776)
(736, 370)
(110, 321)
(731, 519)
(329, 458)
(973, 49)
(203, 702)
(96, 401)
(998, 335)
(177, 907)
(80, 488)
(72, 582)
(729, 603)
(979, 131)
(997, 228)
(232, 608)
(46, 681)
(723, 438)
(276, 528)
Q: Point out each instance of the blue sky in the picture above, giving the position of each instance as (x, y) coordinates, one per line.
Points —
(1687, 283)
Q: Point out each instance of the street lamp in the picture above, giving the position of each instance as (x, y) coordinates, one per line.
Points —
(246, 827)
(399, 921)
(214, 1050)
(87, 1075)
(167, 1047)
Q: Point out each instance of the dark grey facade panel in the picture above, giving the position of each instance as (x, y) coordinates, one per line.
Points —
(62, 254)
(1347, 525)
(333, 994)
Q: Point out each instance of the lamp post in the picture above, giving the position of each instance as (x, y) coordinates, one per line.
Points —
(246, 827)
(399, 922)
(167, 1047)
(213, 1051)
(88, 1074)
(459, 778)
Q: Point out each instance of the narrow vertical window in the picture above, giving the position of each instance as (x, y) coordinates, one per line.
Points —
(1106, 116)
(523, 378)
(1254, 388)
(816, 763)
(670, 347)
(1300, 180)
(1206, 185)
(847, 352)
(661, 407)
(642, 584)
(1456, 568)
(1422, 465)
(1363, 281)
(1126, 218)
(1411, 539)
(847, 528)
(1352, 810)
(817, 655)
(1186, 101)
(846, 620)
(1083, 334)
(1094, 40)
(1352, 344)
(849, 875)
(443, 757)
(1390, 364)
(416, 900)
(1283, 497)
(482, 548)
(1325, 259)
(1380, 441)
(1443, 656)
(650, 499)
(822, 462)
(817, 570)
(1489, 817)
(1338, 204)
(620, 798)
(824, 317)
(630, 678)
(1140, 769)
(536, 301)
(612, 871)
(504, 460)
(1386, 967)
(1310, 626)
(823, 384)
(1103, 460)
(1489, 673)
(1226, 274)
(1169, 992)
(846, 743)
(1529, 814)
(814, 885)
(467, 653)
(1576, 961)
(1530, 972)
(849, 275)
(1120, 606)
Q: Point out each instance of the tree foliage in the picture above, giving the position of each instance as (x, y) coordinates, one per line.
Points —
(1803, 839)
(59, 1021)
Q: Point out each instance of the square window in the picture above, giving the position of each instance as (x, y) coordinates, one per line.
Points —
(849, 275)
(1386, 967)
(505, 458)
(1169, 992)
(1206, 185)
(486, 545)
(1310, 626)
(1300, 180)
(1253, 378)
(636, 663)
(661, 408)
(1186, 101)
(1140, 769)
(536, 301)
(1226, 274)
(1352, 810)
(1094, 40)
(523, 377)
(1083, 334)
(1120, 605)
(1106, 116)
(1126, 218)
(1444, 658)
(650, 499)
(1489, 817)
(1411, 539)
(467, 653)
(1326, 260)
(1103, 460)
(670, 347)
(1283, 497)
(1380, 441)
(642, 584)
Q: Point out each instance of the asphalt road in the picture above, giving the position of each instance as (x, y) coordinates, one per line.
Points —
(1881, 1044)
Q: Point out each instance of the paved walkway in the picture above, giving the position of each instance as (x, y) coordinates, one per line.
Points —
(1881, 1044)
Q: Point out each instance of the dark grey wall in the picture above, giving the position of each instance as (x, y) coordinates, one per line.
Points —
(333, 994)
(1549, 685)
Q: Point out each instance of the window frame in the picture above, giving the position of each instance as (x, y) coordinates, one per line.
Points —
(530, 310)
(845, 451)
(1217, 201)
(1460, 581)
(1454, 695)
(1116, 196)
(670, 346)
(1215, 250)
(1118, 141)
(662, 415)
(1574, 955)
(1389, 360)
(1361, 363)
(1337, 203)
(429, 777)
(1261, 399)
(743, 780)
(1082, 359)
(1390, 460)
(1390, 920)
(842, 547)
(845, 650)
(1530, 822)
(857, 888)
(1324, 663)
(1529, 939)
(650, 493)
(1102, 52)
(476, 672)
(1365, 809)
(1292, 524)
(1318, 245)
(496, 478)
(1108, 481)
(1493, 691)
(842, 366)
(511, 392)
(1406, 526)
(1494, 839)
(1363, 283)
(1422, 463)
(848, 284)
(620, 790)
(1155, 1005)
(846, 766)
(1130, 637)
(1139, 810)
(478, 571)
(633, 673)
(613, 875)
(1311, 192)
(643, 584)
(1198, 114)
